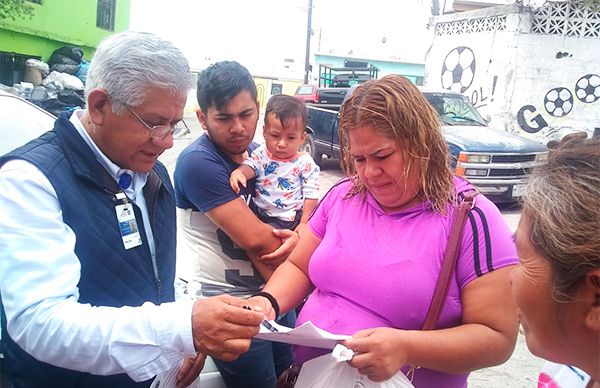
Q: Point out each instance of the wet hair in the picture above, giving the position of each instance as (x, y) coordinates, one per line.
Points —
(561, 205)
(220, 82)
(287, 109)
(394, 107)
(127, 64)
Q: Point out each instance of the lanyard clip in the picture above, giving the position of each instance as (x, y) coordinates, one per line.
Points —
(120, 197)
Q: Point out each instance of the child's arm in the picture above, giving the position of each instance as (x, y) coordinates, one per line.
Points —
(309, 206)
(310, 191)
(240, 176)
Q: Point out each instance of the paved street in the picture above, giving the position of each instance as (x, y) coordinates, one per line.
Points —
(520, 371)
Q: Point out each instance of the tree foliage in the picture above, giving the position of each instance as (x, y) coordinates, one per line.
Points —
(595, 4)
(14, 9)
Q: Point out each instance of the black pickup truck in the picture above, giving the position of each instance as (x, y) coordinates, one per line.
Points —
(334, 83)
(324, 97)
(495, 161)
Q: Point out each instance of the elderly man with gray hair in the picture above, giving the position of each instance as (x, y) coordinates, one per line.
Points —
(88, 236)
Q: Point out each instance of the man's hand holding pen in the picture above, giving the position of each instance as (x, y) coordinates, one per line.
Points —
(264, 323)
(222, 329)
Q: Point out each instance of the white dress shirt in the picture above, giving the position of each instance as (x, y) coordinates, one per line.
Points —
(39, 273)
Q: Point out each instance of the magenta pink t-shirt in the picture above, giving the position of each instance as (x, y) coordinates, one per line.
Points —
(374, 269)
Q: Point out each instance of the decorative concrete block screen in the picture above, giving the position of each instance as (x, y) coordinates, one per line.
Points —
(490, 23)
(567, 19)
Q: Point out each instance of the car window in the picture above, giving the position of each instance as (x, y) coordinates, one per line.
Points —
(21, 122)
(454, 109)
(305, 90)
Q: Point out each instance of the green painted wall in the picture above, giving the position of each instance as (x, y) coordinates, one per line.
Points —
(56, 23)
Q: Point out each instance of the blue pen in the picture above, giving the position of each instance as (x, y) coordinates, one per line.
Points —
(269, 327)
(265, 323)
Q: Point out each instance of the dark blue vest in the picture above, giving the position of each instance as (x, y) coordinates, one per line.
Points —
(110, 275)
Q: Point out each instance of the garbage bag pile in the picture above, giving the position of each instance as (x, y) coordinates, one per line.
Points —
(56, 86)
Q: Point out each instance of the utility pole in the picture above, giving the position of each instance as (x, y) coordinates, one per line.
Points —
(308, 34)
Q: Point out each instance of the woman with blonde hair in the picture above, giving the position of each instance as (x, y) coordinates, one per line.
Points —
(557, 283)
(372, 254)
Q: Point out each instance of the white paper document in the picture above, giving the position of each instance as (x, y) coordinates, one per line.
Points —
(306, 335)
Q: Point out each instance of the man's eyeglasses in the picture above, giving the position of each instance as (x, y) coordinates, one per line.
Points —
(160, 131)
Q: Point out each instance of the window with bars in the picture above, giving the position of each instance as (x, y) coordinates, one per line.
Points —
(105, 16)
(12, 67)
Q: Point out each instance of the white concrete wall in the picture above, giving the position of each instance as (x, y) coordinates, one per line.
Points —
(552, 62)
(516, 70)
(493, 75)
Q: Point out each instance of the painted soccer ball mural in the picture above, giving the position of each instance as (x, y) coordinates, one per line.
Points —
(587, 88)
(458, 70)
(558, 102)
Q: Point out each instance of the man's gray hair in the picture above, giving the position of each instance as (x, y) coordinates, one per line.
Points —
(126, 64)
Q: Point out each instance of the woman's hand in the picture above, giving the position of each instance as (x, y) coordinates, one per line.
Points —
(262, 305)
(378, 353)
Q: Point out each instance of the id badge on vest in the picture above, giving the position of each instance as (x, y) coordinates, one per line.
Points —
(128, 225)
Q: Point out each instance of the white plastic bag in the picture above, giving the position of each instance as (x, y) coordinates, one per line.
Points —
(562, 376)
(67, 81)
(169, 379)
(332, 371)
(43, 66)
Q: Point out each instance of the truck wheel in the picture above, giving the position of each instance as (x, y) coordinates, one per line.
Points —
(309, 148)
